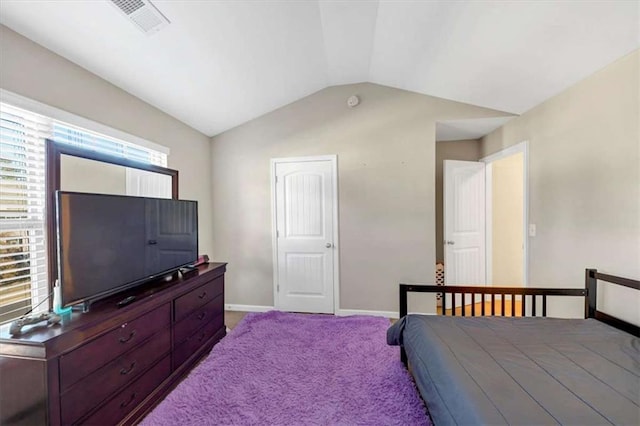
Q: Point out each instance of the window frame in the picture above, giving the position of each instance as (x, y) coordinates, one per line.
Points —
(45, 121)
(53, 117)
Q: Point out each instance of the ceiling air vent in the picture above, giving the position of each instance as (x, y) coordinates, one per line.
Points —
(143, 14)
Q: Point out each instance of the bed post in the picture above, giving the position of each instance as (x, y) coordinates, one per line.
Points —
(403, 300)
(402, 313)
(591, 285)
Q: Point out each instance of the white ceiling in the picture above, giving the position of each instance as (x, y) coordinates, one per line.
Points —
(222, 63)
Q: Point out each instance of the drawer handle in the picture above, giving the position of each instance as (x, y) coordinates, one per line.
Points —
(204, 293)
(126, 339)
(202, 315)
(125, 403)
(125, 371)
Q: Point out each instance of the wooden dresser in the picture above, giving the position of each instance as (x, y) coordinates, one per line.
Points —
(111, 365)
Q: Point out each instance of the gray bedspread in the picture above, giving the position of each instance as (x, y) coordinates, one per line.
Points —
(522, 371)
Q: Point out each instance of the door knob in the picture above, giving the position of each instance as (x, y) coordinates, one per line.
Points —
(328, 245)
(450, 242)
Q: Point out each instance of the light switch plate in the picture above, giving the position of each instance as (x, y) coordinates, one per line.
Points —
(532, 229)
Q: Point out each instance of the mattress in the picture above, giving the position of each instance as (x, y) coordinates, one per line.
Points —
(500, 370)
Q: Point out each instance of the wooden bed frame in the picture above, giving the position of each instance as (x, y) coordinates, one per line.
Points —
(589, 292)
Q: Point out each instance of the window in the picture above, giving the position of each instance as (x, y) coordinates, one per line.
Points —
(24, 283)
(76, 136)
(23, 274)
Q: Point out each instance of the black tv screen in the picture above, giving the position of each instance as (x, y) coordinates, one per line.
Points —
(109, 243)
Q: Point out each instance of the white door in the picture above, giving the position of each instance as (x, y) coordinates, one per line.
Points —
(464, 225)
(305, 241)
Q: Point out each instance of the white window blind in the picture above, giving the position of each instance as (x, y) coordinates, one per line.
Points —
(24, 282)
(71, 135)
(23, 260)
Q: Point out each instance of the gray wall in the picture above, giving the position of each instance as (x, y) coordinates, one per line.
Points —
(584, 181)
(466, 150)
(386, 174)
(30, 70)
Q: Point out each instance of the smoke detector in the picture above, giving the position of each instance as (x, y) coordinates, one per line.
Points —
(146, 17)
(353, 101)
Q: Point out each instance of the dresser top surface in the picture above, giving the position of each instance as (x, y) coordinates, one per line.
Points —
(105, 314)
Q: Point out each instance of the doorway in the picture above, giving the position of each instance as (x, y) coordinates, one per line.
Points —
(498, 216)
(305, 233)
(506, 216)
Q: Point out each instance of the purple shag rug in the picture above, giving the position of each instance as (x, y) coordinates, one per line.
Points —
(279, 368)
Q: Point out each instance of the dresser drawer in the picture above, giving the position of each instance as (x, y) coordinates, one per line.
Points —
(96, 387)
(197, 297)
(198, 318)
(191, 345)
(79, 363)
(121, 404)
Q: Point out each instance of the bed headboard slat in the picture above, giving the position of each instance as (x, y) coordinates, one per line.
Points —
(589, 292)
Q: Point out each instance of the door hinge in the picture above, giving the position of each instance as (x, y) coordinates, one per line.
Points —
(277, 234)
(276, 179)
(278, 288)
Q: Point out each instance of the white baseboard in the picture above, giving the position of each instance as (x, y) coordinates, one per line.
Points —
(386, 314)
(247, 308)
(339, 312)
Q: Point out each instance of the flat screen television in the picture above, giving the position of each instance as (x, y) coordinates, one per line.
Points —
(110, 243)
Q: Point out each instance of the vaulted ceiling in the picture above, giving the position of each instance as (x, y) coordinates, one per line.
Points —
(219, 64)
